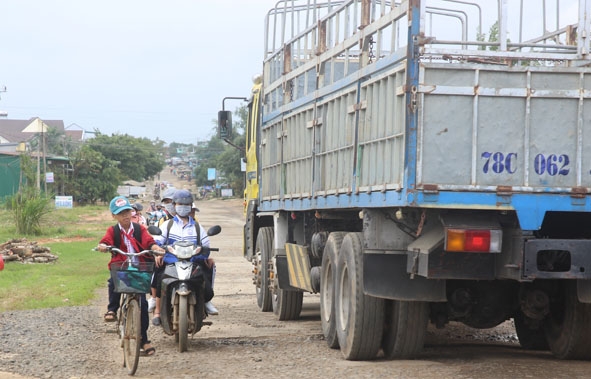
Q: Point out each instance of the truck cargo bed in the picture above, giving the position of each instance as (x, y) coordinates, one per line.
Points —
(422, 124)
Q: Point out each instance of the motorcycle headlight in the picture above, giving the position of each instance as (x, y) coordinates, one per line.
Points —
(184, 252)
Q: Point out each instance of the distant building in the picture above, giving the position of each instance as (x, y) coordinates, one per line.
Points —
(14, 141)
(77, 133)
(11, 132)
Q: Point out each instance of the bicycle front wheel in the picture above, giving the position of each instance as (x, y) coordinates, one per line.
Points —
(132, 336)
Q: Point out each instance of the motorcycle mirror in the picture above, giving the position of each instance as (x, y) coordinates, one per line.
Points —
(216, 229)
(154, 230)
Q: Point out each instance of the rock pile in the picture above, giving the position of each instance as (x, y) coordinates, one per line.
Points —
(24, 251)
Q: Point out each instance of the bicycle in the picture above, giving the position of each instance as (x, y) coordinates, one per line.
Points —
(131, 279)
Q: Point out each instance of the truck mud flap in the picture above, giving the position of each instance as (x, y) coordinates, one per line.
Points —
(385, 276)
(283, 273)
(298, 264)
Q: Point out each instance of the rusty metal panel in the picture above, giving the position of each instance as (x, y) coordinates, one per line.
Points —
(482, 127)
(381, 133)
(337, 145)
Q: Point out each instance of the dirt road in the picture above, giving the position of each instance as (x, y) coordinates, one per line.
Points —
(246, 343)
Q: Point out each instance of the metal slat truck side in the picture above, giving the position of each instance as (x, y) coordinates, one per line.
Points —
(424, 160)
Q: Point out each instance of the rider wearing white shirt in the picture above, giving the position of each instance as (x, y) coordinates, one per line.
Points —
(182, 227)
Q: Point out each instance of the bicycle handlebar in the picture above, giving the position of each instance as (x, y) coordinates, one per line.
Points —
(119, 251)
(143, 252)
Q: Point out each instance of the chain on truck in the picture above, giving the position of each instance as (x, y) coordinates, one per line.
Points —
(423, 161)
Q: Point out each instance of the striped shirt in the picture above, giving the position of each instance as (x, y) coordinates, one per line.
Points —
(180, 232)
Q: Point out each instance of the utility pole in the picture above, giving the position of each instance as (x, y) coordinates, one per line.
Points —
(3, 113)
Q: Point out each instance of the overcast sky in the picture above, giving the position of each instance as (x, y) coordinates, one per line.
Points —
(148, 68)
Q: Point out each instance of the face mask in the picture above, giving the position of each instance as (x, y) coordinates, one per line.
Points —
(183, 210)
(169, 208)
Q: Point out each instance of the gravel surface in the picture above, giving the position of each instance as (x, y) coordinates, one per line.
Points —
(75, 342)
(56, 343)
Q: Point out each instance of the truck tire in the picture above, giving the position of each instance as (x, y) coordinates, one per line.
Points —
(405, 326)
(529, 339)
(263, 254)
(359, 317)
(287, 305)
(567, 326)
(327, 288)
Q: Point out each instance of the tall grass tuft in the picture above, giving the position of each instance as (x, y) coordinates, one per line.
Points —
(28, 208)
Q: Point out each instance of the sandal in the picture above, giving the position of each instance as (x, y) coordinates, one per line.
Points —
(110, 316)
(156, 320)
(149, 351)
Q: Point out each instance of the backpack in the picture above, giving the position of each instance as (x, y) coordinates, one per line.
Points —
(137, 234)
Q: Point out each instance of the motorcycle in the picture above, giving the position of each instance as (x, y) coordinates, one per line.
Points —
(183, 286)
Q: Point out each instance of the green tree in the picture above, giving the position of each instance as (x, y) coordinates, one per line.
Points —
(228, 163)
(224, 157)
(230, 160)
(56, 142)
(139, 158)
(94, 177)
(206, 154)
(176, 149)
(493, 36)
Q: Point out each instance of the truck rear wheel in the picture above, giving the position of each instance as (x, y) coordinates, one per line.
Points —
(327, 288)
(405, 327)
(287, 305)
(263, 253)
(567, 326)
(529, 338)
(359, 317)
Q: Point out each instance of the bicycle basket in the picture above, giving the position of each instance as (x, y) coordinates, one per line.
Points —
(132, 278)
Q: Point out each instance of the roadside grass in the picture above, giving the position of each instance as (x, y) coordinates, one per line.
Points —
(74, 277)
(83, 222)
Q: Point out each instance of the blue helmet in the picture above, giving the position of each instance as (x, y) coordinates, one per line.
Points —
(182, 197)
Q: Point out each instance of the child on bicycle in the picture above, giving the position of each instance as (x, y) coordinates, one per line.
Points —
(129, 237)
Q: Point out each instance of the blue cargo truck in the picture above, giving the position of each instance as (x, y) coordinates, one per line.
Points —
(423, 161)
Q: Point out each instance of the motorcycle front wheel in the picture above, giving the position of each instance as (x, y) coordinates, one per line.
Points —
(183, 331)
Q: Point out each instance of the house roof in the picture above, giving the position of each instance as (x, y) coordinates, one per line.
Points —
(75, 135)
(11, 131)
(75, 132)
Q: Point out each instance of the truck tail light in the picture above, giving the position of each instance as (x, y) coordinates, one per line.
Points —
(473, 240)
